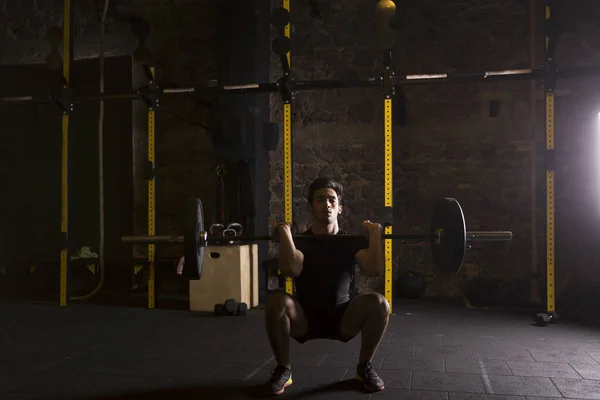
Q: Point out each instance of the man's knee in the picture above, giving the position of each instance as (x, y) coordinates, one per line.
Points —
(378, 304)
(278, 303)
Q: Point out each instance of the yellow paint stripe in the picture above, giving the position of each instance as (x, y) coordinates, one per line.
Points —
(287, 152)
(387, 132)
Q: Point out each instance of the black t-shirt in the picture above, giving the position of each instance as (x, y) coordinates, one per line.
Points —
(328, 270)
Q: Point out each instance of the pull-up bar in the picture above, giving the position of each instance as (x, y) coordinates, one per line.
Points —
(385, 10)
(66, 96)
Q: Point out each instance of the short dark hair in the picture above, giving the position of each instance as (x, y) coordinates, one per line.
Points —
(325, 183)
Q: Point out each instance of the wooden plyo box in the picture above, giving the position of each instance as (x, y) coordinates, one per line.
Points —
(229, 272)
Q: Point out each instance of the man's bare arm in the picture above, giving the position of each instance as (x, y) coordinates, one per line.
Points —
(372, 259)
(290, 259)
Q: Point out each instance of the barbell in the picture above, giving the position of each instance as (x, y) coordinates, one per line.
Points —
(447, 235)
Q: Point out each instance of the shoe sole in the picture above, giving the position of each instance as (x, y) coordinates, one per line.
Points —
(279, 392)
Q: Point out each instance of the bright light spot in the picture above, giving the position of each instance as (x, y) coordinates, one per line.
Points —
(598, 150)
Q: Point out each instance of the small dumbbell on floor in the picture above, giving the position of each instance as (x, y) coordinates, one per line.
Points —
(242, 308)
(231, 307)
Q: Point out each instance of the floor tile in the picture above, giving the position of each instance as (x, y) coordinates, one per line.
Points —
(520, 386)
(413, 363)
(447, 381)
(587, 371)
(472, 366)
(544, 369)
(562, 356)
(578, 388)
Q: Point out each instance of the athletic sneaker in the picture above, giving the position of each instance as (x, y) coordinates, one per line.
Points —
(281, 377)
(367, 375)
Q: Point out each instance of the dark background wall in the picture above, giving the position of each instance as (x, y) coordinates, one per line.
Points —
(449, 145)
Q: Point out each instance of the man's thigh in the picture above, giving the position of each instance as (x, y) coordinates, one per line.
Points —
(359, 309)
(294, 311)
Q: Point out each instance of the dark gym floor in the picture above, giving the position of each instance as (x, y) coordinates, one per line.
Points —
(430, 352)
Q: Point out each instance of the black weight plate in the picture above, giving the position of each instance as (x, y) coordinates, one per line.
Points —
(449, 249)
(281, 45)
(194, 227)
(280, 17)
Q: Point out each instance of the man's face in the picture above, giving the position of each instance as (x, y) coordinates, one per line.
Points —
(325, 206)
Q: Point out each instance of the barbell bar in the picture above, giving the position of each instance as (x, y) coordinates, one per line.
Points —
(448, 237)
(482, 236)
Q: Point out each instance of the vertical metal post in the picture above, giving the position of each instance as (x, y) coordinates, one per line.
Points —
(151, 201)
(387, 132)
(534, 288)
(287, 149)
(550, 170)
(388, 94)
(64, 220)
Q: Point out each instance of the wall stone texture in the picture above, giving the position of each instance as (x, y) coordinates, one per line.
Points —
(448, 146)
(180, 40)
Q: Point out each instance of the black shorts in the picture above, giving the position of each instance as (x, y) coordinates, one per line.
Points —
(324, 323)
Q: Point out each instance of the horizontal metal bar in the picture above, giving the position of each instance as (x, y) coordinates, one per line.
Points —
(26, 99)
(490, 236)
(139, 239)
(115, 96)
(179, 90)
(483, 76)
(250, 87)
(315, 237)
(335, 84)
(484, 236)
(398, 80)
(17, 99)
(318, 237)
(241, 238)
